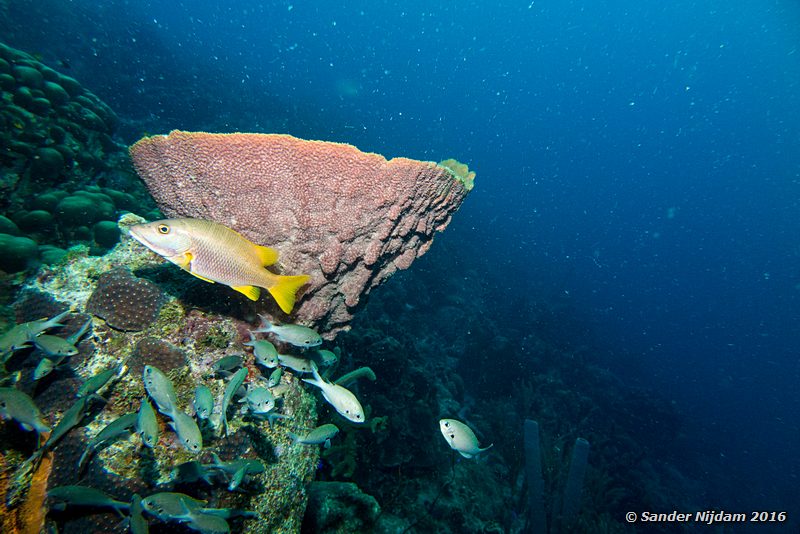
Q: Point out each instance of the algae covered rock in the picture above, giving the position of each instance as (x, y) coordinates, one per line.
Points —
(106, 233)
(17, 253)
(340, 507)
(47, 164)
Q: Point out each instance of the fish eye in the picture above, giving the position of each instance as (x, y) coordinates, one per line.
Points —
(163, 229)
(447, 425)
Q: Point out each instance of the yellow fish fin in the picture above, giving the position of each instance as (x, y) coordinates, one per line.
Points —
(201, 277)
(251, 292)
(285, 288)
(267, 256)
(183, 261)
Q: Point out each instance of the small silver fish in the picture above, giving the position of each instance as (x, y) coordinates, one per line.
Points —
(227, 364)
(71, 418)
(259, 400)
(461, 438)
(170, 506)
(342, 399)
(188, 432)
(95, 383)
(111, 431)
(44, 368)
(275, 377)
(160, 389)
(18, 406)
(136, 521)
(203, 402)
(83, 496)
(321, 434)
(54, 346)
(295, 363)
(147, 424)
(326, 358)
(233, 386)
(265, 352)
(190, 472)
(294, 334)
(207, 523)
(73, 339)
(21, 335)
(237, 469)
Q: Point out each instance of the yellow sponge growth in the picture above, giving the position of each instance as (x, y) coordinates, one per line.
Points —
(460, 172)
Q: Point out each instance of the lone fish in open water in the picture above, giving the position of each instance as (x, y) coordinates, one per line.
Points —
(215, 253)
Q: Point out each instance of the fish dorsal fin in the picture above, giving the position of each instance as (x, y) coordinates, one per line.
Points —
(250, 292)
(267, 256)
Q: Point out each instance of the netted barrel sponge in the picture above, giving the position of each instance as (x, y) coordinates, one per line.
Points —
(346, 217)
(125, 301)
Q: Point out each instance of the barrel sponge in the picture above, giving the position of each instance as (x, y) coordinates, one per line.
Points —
(537, 518)
(348, 218)
(572, 491)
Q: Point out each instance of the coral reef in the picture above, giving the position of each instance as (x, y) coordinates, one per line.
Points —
(185, 342)
(156, 352)
(61, 173)
(348, 218)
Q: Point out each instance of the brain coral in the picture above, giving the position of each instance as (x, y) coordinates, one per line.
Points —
(124, 301)
(348, 218)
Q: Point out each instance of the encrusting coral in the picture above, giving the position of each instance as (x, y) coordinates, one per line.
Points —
(124, 301)
(348, 218)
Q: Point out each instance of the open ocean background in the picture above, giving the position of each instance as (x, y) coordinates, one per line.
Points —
(638, 170)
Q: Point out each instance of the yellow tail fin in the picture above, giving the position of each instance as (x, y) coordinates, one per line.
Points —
(285, 288)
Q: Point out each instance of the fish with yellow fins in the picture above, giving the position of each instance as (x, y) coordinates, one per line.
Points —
(215, 253)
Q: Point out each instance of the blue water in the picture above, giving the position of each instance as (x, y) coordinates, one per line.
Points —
(637, 162)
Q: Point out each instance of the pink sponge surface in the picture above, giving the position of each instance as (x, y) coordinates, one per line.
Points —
(347, 218)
